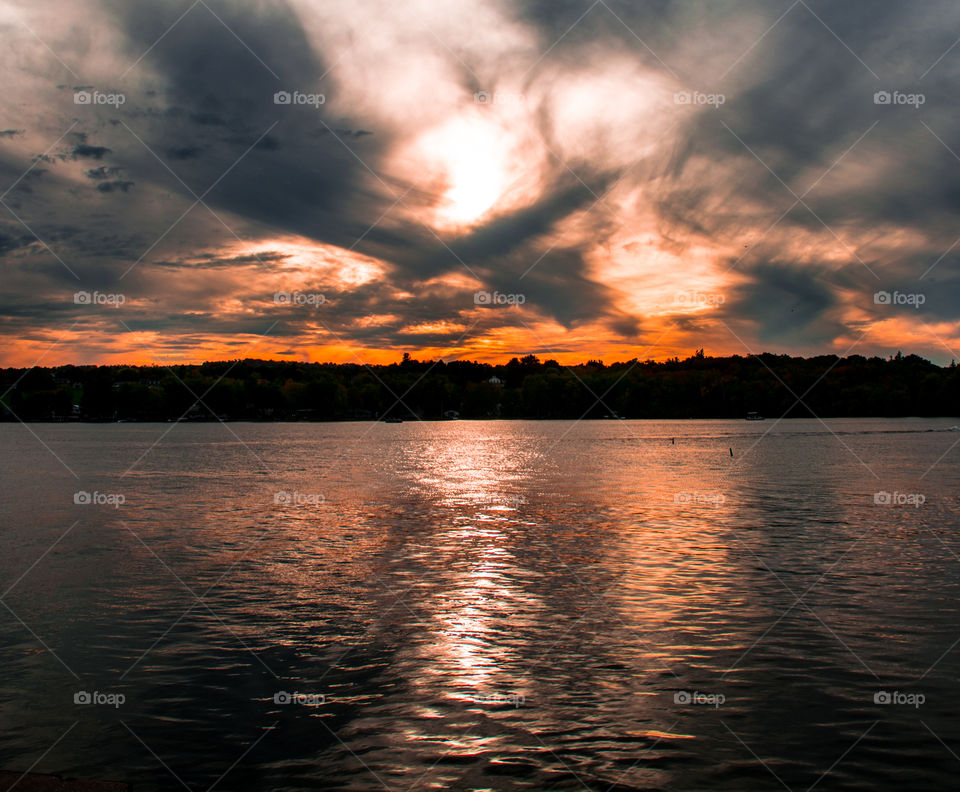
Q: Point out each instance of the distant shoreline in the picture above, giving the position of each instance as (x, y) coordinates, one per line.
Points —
(735, 387)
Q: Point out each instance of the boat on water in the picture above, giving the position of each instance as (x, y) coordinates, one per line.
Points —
(754, 416)
(391, 420)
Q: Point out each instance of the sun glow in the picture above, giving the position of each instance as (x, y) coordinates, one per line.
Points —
(472, 157)
(473, 164)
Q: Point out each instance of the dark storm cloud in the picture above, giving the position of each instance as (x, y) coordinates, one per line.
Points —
(816, 100)
(266, 143)
(184, 152)
(94, 152)
(220, 99)
(115, 186)
(264, 260)
(10, 132)
(10, 241)
(344, 133)
(789, 302)
(103, 172)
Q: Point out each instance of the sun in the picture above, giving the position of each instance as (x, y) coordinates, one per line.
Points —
(473, 160)
(469, 159)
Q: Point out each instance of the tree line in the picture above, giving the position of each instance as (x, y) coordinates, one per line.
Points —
(697, 387)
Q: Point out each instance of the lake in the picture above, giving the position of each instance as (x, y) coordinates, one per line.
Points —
(496, 605)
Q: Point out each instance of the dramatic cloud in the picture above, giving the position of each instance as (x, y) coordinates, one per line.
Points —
(337, 181)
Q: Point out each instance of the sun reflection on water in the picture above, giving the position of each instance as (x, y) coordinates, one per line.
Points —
(475, 484)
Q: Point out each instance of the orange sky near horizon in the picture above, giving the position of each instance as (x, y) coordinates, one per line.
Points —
(303, 282)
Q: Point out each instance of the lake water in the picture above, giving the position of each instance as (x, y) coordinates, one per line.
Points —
(604, 605)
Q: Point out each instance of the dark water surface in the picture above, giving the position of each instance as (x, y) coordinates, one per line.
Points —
(483, 605)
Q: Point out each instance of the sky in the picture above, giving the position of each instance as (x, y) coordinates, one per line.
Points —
(348, 181)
